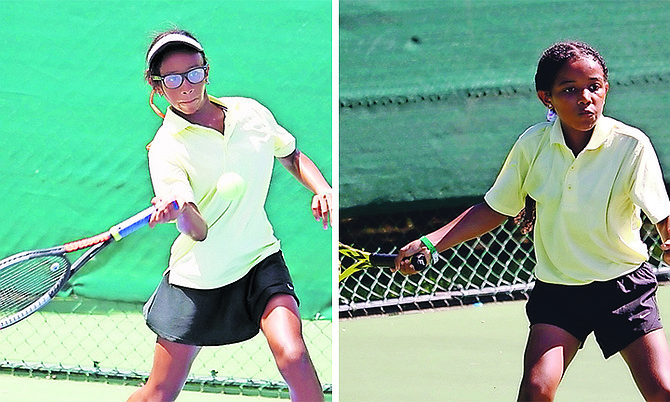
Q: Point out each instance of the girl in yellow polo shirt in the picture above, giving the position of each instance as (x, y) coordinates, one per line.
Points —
(585, 177)
(226, 278)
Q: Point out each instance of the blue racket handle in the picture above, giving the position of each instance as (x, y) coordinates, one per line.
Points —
(135, 222)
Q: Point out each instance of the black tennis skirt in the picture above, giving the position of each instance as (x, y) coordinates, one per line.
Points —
(221, 316)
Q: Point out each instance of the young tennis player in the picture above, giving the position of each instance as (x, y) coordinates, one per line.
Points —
(587, 177)
(226, 278)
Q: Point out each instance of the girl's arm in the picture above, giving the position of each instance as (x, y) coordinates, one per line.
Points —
(189, 220)
(474, 222)
(306, 172)
(664, 231)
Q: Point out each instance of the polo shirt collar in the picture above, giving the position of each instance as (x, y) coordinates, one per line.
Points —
(175, 123)
(601, 132)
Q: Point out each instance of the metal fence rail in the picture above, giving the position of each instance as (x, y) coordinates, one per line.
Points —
(495, 267)
(92, 340)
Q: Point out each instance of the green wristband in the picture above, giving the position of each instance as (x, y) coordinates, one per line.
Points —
(435, 256)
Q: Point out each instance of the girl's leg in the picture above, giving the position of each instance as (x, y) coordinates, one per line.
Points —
(648, 359)
(549, 351)
(172, 362)
(283, 329)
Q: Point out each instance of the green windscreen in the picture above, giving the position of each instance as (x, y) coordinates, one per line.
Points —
(434, 93)
(75, 122)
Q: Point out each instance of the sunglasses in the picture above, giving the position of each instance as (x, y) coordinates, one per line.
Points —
(173, 81)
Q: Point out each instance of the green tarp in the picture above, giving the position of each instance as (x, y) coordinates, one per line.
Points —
(434, 93)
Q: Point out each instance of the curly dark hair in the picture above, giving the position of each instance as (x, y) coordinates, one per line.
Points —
(555, 57)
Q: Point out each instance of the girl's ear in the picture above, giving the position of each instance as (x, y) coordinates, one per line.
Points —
(156, 86)
(545, 98)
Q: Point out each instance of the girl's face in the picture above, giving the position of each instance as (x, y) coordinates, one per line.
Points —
(188, 98)
(578, 95)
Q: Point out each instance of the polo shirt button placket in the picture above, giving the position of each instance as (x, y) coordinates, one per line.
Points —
(570, 174)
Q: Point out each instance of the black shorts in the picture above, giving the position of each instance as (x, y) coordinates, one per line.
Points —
(221, 316)
(618, 311)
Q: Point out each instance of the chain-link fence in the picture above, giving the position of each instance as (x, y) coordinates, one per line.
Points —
(495, 267)
(92, 340)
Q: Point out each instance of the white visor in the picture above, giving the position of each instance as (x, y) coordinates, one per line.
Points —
(172, 38)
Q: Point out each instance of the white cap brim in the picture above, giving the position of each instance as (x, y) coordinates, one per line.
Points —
(172, 38)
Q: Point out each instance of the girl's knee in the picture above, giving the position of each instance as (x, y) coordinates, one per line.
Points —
(533, 390)
(290, 353)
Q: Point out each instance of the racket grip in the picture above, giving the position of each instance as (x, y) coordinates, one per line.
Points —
(135, 222)
(383, 260)
(388, 260)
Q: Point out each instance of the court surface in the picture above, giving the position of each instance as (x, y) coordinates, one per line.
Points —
(464, 354)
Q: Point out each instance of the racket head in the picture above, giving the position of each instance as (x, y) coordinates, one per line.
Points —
(28, 281)
(353, 260)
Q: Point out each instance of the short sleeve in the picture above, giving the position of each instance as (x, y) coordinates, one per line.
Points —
(507, 195)
(284, 142)
(167, 177)
(648, 187)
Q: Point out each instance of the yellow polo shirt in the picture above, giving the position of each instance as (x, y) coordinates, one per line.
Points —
(186, 160)
(588, 207)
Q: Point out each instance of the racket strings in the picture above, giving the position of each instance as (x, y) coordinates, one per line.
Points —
(352, 260)
(25, 282)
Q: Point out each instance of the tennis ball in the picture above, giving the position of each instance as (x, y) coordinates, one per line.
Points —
(230, 186)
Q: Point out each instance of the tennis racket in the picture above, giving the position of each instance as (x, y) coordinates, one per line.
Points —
(29, 280)
(354, 260)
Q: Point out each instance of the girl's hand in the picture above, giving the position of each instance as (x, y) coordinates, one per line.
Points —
(665, 246)
(663, 228)
(165, 211)
(187, 217)
(322, 208)
(402, 261)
